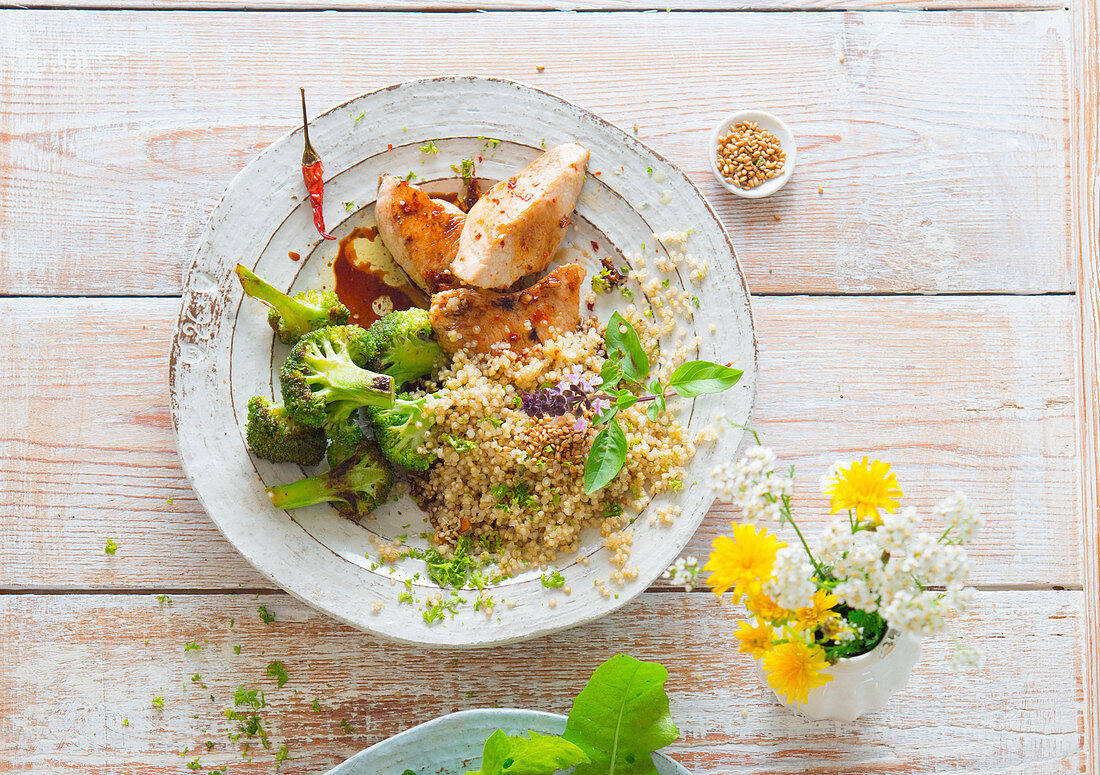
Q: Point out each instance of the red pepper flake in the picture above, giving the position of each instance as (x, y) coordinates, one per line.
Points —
(595, 245)
(313, 173)
(389, 146)
(294, 256)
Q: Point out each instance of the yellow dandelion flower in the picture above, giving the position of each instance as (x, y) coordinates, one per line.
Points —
(794, 669)
(865, 488)
(818, 612)
(741, 561)
(756, 640)
(764, 607)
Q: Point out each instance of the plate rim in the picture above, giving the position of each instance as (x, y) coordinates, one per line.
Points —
(188, 291)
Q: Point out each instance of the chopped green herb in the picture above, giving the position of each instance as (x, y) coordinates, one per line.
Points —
(209, 745)
(125, 722)
(433, 612)
(555, 581)
(664, 283)
(410, 176)
(460, 445)
(675, 484)
(266, 615)
(316, 706)
(627, 293)
(111, 547)
(196, 678)
(346, 726)
(277, 671)
(512, 495)
(282, 754)
(465, 168)
(695, 301)
(164, 600)
(192, 646)
(494, 421)
(348, 206)
(158, 701)
(612, 510)
(237, 649)
(649, 171)
(360, 117)
(430, 147)
(194, 764)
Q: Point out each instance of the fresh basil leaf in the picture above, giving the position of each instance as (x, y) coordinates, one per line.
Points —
(534, 755)
(611, 372)
(606, 458)
(695, 378)
(620, 337)
(656, 406)
(625, 400)
(621, 717)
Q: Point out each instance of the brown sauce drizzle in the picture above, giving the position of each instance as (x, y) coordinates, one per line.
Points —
(360, 285)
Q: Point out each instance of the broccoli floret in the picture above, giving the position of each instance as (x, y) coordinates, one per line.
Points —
(324, 379)
(355, 486)
(292, 317)
(343, 437)
(401, 430)
(274, 436)
(406, 345)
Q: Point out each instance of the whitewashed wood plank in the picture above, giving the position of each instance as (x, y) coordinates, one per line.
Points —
(960, 393)
(933, 146)
(72, 667)
(1086, 237)
(552, 5)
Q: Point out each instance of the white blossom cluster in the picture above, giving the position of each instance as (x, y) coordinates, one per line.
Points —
(909, 576)
(753, 485)
(685, 572)
(792, 585)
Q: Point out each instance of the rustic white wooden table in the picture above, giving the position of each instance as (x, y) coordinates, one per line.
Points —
(925, 290)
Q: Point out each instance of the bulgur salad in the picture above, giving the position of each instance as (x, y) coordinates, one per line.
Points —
(484, 386)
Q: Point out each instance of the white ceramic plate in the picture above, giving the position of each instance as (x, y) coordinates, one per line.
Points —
(452, 744)
(224, 352)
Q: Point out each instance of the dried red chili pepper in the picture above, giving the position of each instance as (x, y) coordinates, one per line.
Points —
(313, 173)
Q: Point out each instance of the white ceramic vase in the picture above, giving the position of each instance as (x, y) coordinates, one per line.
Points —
(860, 684)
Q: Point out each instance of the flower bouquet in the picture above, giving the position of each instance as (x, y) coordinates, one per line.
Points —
(852, 610)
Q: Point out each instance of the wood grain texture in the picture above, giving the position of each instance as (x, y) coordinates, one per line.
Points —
(901, 378)
(73, 667)
(938, 142)
(1086, 235)
(546, 5)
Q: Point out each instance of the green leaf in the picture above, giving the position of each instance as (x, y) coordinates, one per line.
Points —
(277, 671)
(695, 378)
(611, 373)
(625, 399)
(621, 717)
(534, 755)
(606, 458)
(621, 339)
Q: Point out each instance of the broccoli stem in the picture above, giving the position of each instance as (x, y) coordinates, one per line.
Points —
(304, 492)
(296, 316)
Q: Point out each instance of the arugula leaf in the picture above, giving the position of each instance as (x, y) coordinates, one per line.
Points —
(621, 717)
(534, 755)
(621, 341)
(606, 458)
(695, 378)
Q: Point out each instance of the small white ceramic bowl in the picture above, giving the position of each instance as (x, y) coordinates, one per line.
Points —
(767, 122)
